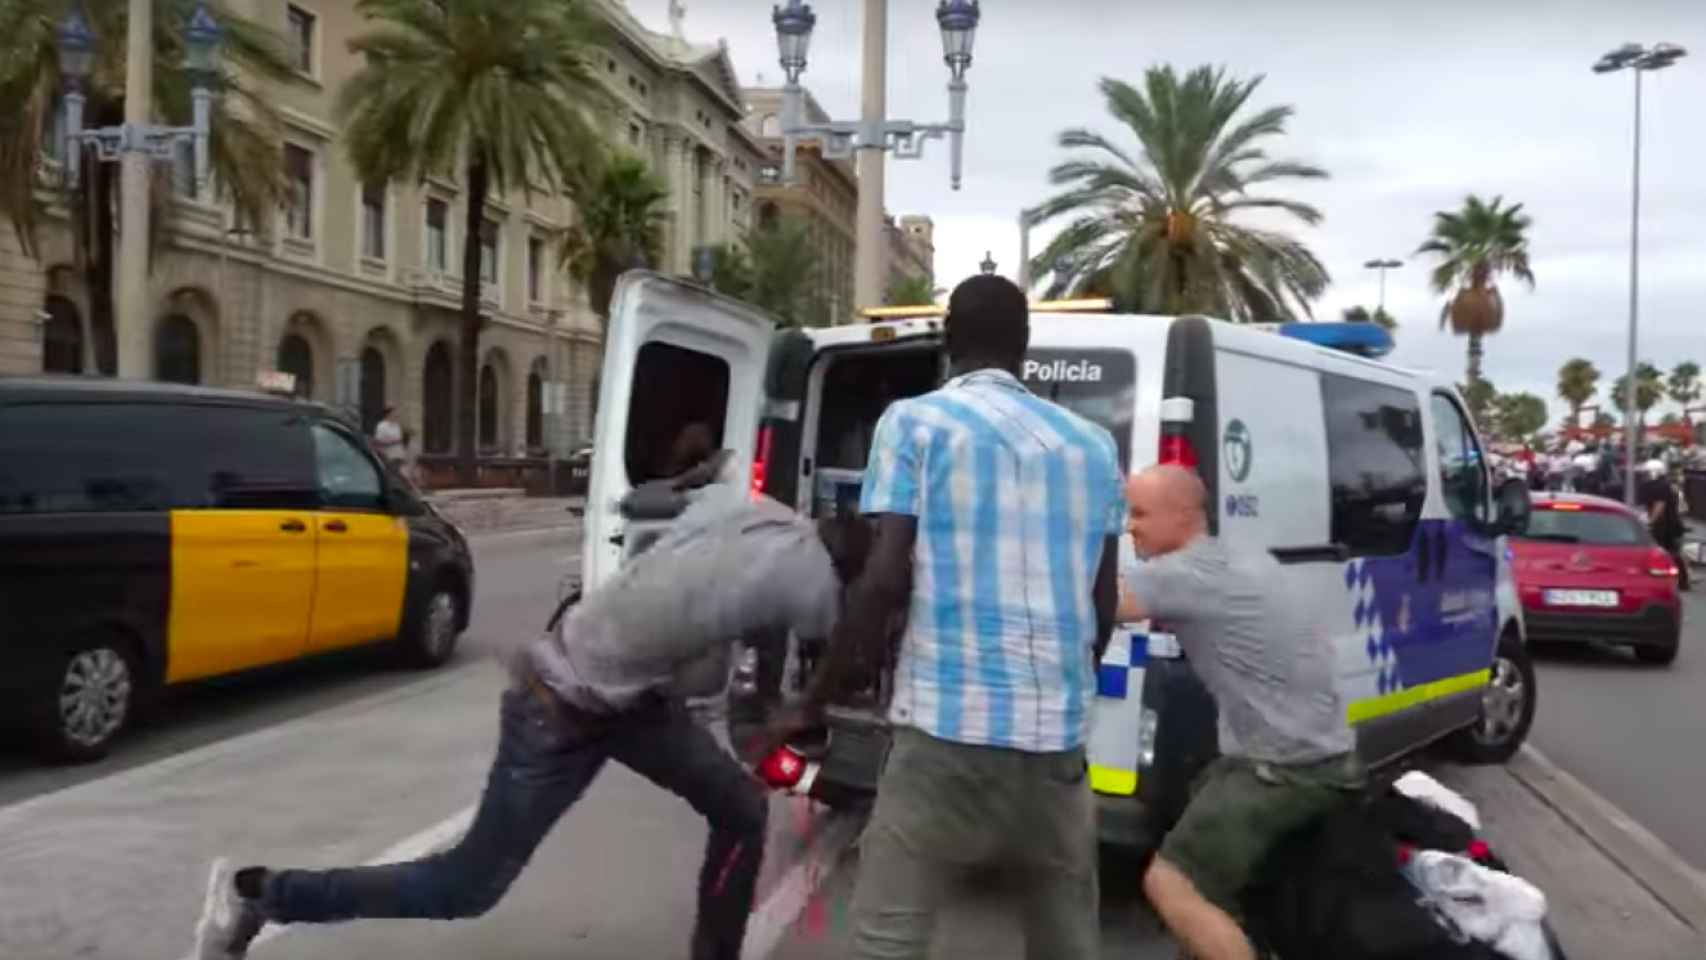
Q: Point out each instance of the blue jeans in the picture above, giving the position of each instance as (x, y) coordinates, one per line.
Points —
(547, 755)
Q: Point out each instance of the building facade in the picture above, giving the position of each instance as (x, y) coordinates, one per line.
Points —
(355, 288)
(911, 248)
(824, 195)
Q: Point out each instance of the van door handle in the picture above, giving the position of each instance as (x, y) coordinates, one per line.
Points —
(618, 539)
(336, 526)
(293, 526)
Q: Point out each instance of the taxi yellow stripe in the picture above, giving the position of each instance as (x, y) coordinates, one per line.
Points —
(1119, 783)
(1363, 710)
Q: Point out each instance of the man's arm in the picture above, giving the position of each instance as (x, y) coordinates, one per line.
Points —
(1106, 593)
(880, 591)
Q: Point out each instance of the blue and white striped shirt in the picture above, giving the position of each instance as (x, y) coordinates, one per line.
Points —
(1014, 497)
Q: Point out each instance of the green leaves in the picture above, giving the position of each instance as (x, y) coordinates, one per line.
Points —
(777, 270)
(621, 225)
(1157, 229)
(912, 291)
(1578, 380)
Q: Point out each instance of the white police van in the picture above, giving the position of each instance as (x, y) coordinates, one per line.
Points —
(1367, 481)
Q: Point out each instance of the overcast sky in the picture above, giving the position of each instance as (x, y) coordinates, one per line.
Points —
(1409, 106)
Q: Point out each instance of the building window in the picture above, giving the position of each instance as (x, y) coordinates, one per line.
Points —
(299, 204)
(634, 133)
(610, 65)
(535, 408)
(62, 337)
(437, 403)
(488, 408)
(488, 252)
(183, 169)
(177, 350)
(373, 221)
(642, 89)
(535, 270)
(438, 239)
(300, 30)
(296, 357)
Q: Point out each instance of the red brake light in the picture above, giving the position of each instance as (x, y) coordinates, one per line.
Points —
(1176, 449)
(761, 461)
(1660, 564)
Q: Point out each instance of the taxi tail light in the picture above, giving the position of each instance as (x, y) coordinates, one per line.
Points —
(761, 460)
(1660, 564)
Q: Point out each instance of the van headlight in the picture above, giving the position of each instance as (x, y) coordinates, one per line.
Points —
(1148, 723)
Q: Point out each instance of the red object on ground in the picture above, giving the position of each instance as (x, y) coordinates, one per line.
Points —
(784, 769)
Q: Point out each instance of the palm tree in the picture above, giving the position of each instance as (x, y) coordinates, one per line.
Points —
(1158, 229)
(777, 270)
(1476, 245)
(1649, 390)
(1361, 314)
(243, 141)
(1578, 380)
(620, 228)
(913, 291)
(1683, 387)
(502, 92)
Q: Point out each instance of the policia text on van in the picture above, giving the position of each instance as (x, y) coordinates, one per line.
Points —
(1366, 481)
(154, 534)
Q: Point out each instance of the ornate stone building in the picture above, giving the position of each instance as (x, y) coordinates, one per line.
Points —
(354, 288)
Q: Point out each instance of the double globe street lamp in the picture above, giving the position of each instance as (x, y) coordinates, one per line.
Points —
(873, 133)
(136, 143)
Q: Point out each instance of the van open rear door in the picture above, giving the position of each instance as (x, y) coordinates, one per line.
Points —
(676, 356)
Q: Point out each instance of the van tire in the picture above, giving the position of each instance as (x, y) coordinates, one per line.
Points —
(1507, 708)
(102, 672)
(434, 627)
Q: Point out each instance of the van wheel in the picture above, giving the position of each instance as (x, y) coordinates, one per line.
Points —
(431, 638)
(1507, 707)
(86, 700)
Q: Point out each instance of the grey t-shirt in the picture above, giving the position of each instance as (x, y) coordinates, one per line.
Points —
(1258, 647)
(728, 567)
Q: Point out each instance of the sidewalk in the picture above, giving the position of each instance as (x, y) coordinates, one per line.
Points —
(483, 512)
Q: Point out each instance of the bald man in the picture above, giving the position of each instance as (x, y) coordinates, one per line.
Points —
(1286, 754)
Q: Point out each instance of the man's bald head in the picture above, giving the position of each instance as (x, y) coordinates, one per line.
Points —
(1167, 509)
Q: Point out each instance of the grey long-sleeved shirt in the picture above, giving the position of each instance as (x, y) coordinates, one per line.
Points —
(726, 568)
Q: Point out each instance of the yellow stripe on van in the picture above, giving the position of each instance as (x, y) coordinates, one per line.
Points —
(1364, 710)
(1119, 783)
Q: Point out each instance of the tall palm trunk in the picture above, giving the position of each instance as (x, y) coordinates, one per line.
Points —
(94, 226)
(468, 356)
(1475, 354)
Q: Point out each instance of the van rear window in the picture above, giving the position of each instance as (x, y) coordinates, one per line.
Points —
(1098, 385)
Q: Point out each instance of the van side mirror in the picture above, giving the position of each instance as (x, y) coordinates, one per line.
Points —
(1512, 506)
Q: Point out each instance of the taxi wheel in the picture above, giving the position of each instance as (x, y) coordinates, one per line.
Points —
(431, 638)
(86, 700)
(1507, 707)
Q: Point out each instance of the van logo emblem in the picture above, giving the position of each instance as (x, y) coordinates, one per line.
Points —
(1236, 447)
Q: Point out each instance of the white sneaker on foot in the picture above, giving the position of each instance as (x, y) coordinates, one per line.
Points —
(229, 921)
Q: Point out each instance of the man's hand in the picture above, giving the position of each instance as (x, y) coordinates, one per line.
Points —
(789, 722)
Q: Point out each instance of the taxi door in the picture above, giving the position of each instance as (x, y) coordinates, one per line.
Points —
(676, 355)
(362, 549)
(242, 539)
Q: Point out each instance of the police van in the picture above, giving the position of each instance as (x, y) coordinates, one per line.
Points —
(1366, 481)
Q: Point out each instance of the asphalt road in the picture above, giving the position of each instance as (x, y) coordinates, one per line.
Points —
(1634, 732)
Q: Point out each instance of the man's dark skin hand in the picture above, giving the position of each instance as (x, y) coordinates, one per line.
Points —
(881, 591)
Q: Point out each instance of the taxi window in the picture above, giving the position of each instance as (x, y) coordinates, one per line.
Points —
(1098, 385)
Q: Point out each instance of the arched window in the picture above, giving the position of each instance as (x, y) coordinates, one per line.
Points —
(372, 387)
(62, 338)
(488, 407)
(535, 409)
(177, 350)
(296, 356)
(437, 383)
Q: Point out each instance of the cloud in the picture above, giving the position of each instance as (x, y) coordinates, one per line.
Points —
(1410, 107)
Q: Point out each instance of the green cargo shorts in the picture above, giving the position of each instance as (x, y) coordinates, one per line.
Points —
(1241, 809)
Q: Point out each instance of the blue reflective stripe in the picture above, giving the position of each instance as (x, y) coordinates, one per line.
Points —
(945, 572)
(986, 597)
(1111, 680)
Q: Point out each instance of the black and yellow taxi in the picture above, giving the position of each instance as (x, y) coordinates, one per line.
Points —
(155, 534)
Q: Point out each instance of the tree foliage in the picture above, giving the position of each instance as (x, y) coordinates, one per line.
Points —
(620, 227)
(1159, 230)
(1578, 381)
(499, 93)
(913, 291)
(778, 270)
(1361, 314)
(1683, 386)
(1475, 246)
(1518, 416)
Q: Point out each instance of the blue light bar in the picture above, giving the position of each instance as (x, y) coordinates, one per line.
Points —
(1363, 339)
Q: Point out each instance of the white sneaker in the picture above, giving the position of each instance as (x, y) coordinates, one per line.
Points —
(229, 921)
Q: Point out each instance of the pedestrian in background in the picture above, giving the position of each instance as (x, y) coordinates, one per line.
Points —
(1663, 508)
(997, 518)
(390, 440)
(1286, 756)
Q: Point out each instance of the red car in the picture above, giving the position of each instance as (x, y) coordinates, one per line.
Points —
(1587, 569)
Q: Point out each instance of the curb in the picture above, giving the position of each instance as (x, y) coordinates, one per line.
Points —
(1640, 854)
(519, 533)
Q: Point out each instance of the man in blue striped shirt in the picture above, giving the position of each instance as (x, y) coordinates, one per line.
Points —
(997, 522)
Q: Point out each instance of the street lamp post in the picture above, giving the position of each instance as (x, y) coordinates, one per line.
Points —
(1383, 266)
(1633, 56)
(873, 136)
(987, 264)
(1027, 220)
(135, 144)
